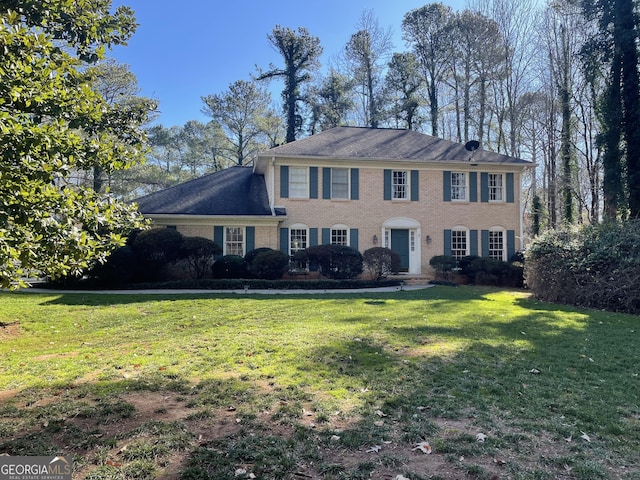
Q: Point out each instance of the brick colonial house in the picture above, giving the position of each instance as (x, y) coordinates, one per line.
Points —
(419, 195)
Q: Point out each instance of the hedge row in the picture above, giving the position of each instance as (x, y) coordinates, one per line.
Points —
(479, 270)
(594, 266)
(256, 284)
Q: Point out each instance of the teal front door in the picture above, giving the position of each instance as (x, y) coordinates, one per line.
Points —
(400, 245)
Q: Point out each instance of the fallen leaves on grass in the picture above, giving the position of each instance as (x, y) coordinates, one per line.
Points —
(424, 447)
(374, 449)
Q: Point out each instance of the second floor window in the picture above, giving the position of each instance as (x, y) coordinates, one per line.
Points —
(495, 187)
(340, 183)
(458, 186)
(298, 182)
(400, 185)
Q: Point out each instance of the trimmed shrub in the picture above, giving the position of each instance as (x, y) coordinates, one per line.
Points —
(155, 249)
(251, 256)
(443, 265)
(119, 269)
(199, 254)
(230, 266)
(487, 271)
(270, 264)
(595, 266)
(381, 262)
(334, 261)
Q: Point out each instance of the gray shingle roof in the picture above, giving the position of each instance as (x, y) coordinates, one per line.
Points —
(385, 144)
(234, 191)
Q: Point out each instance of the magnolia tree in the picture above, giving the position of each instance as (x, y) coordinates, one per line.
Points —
(54, 124)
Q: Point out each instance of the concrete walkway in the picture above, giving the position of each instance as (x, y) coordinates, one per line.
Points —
(238, 292)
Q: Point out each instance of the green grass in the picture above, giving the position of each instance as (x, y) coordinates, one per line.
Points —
(283, 386)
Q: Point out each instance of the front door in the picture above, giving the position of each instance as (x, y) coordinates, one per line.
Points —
(400, 245)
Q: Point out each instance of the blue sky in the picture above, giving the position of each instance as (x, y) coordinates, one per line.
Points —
(187, 49)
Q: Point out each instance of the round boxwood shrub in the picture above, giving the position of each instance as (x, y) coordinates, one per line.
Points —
(270, 264)
(119, 269)
(154, 250)
(334, 261)
(443, 265)
(251, 256)
(199, 254)
(230, 266)
(381, 262)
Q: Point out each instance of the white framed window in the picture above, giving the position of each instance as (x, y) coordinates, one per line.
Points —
(496, 188)
(234, 241)
(298, 238)
(340, 183)
(340, 235)
(298, 182)
(459, 242)
(458, 186)
(387, 238)
(412, 240)
(497, 244)
(399, 185)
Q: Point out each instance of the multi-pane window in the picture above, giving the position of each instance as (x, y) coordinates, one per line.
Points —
(298, 182)
(496, 244)
(298, 240)
(339, 236)
(459, 243)
(340, 183)
(234, 241)
(495, 187)
(400, 184)
(458, 186)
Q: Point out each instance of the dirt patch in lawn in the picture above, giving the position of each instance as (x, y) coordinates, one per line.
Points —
(124, 424)
(9, 330)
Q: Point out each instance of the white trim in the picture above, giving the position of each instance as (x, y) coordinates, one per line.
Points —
(298, 226)
(348, 196)
(415, 230)
(243, 230)
(462, 228)
(498, 228)
(182, 219)
(340, 226)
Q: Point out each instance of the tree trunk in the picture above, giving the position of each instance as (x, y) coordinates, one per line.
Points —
(626, 38)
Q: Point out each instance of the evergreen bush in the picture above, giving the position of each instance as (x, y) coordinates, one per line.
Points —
(119, 269)
(251, 256)
(596, 266)
(443, 265)
(199, 253)
(270, 265)
(155, 249)
(230, 266)
(334, 261)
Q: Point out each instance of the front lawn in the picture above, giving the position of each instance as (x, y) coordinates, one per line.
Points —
(328, 386)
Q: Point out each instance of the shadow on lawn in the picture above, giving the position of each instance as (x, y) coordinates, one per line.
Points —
(529, 383)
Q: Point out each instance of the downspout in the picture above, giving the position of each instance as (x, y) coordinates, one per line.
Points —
(272, 197)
